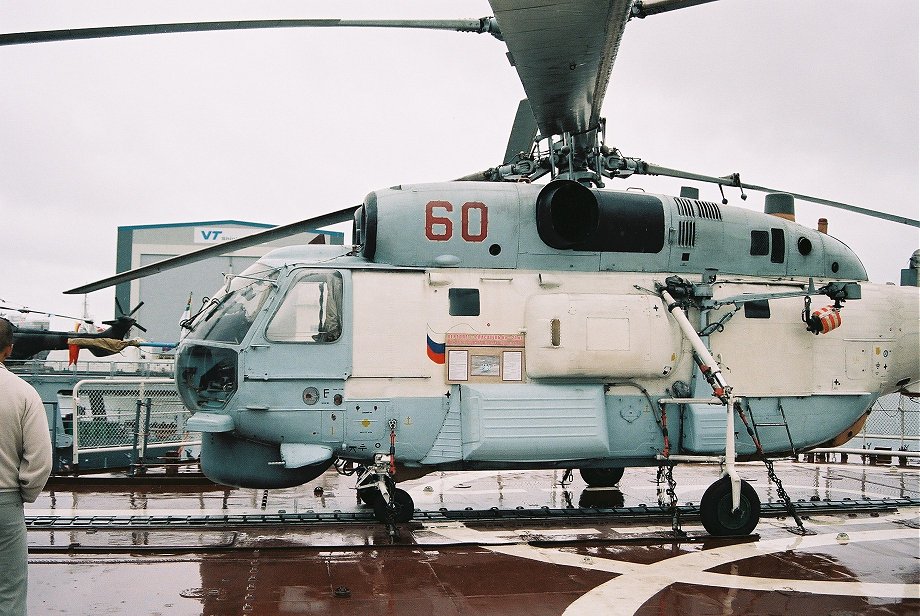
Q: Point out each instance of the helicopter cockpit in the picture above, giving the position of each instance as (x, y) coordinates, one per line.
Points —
(309, 312)
(207, 374)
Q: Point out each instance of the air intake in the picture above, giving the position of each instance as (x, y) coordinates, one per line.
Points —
(567, 214)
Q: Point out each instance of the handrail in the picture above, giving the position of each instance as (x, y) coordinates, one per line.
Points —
(140, 382)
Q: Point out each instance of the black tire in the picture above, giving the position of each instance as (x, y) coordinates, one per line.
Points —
(601, 477)
(716, 509)
(368, 495)
(399, 511)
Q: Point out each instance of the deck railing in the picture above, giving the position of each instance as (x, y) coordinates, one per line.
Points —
(128, 414)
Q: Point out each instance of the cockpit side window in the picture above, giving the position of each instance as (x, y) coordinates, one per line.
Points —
(311, 311)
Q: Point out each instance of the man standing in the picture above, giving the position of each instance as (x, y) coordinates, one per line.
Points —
(25, 463)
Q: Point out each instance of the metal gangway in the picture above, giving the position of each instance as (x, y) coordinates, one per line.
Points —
(142, 417)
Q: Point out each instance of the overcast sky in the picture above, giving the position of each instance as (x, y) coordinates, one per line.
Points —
(811, 96)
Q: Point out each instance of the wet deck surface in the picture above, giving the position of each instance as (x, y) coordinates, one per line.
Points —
(855, 563)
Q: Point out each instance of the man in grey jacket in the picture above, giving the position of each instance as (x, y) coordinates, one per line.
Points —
(25, 463)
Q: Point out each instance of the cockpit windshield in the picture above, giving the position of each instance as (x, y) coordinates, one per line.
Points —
(228, 317)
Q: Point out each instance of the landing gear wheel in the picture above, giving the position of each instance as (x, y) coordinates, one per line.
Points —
(399, 511)
(601, 477)
(716, 509)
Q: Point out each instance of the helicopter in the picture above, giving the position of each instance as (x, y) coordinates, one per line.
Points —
(500, 323)
(27, 343)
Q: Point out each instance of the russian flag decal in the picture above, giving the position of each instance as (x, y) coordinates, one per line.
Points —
(435, 351)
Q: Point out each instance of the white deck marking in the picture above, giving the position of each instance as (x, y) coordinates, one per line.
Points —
(629, 592)
(637, 583)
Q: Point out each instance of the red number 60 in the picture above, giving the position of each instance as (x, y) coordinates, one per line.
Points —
(441, 228)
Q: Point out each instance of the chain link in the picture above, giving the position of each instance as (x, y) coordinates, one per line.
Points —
(770, 472)
(781, 492)
(671, 492)
(567, 477)
(672, 486)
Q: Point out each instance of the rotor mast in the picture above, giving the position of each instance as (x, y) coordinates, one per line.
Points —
(566, 84)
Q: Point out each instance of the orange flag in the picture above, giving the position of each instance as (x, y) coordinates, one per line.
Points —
(73, 350)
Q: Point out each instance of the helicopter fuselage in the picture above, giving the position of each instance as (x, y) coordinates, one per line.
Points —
(468, 337)
(28, 343)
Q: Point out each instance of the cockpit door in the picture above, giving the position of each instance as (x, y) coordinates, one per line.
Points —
(306, 333)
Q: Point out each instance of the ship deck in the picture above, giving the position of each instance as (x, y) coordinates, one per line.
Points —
(514, 542)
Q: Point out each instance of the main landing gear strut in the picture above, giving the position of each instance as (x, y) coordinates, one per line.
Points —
(730, 506)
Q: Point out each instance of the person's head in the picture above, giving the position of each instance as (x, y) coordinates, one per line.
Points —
(6, 338)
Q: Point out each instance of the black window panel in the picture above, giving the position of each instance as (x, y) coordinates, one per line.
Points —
(777, 246)
(760, 243)
(627, 223)
(757, 309)
(463, 302)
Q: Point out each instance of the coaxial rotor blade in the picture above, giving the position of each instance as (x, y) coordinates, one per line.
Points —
(563, 52)
(136, 308)
(523, 132)
(477, 176)
(522, 138)
(734, 180)
(275, 233)
(644, 8)
(50, 314)
(479, 26)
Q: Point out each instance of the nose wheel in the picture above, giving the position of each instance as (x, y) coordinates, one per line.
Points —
(718, 515)
(396, 507)
(375, 487)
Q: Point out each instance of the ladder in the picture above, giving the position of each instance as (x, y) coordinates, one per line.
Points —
(779, 421)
